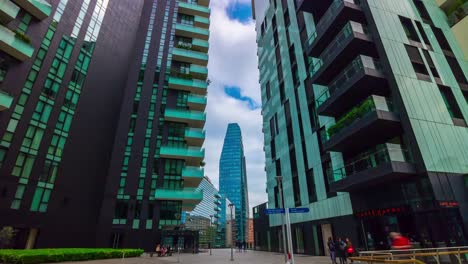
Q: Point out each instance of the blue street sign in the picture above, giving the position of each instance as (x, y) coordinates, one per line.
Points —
(274, 211)
(298, 210)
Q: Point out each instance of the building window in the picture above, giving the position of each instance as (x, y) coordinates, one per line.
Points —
(451, 104)
(121, 210)
(418, 63)
(268, 91)
(311, 186)
(410, 31)
(170, 213)
(173, 167)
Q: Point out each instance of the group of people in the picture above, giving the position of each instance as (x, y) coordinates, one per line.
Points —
(241, 246)
(341, 249)
(163, 251)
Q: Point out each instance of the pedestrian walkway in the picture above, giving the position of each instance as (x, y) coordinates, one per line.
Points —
(220, 256)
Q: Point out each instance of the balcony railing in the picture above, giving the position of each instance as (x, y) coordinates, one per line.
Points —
(340, 40)
(6, 100)
(40, 9)
(355, 67)
(8, 11)
(385, 153)
(327, 18)
(371, 104)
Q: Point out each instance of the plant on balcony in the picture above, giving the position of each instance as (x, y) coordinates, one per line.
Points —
(22, 36)
(187, 46)
(182, 75)
(457, 11)
(355, 113)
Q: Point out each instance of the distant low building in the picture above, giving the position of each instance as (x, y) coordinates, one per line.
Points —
(250, 233)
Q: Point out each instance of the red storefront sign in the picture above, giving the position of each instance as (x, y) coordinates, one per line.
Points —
(449, 204)
(381, 212)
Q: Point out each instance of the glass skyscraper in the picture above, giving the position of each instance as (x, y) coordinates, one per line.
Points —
(233, 179)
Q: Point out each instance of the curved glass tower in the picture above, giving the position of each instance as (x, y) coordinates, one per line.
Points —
(233, 178)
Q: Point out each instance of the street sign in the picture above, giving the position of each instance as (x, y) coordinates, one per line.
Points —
(274, 211)
(298, 210)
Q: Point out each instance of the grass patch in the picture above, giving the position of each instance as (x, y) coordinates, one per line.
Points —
(36, 256)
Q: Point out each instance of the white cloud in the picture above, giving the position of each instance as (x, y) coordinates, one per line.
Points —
(233, 62)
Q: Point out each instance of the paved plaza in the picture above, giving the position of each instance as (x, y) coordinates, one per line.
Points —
(220, 256)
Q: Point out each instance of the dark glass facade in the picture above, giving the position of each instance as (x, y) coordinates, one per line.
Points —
(233, 179)
(92, 83)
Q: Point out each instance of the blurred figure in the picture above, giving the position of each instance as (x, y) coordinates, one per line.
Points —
(349, 249)
(332, 250)
(341, 251)
(399, 241)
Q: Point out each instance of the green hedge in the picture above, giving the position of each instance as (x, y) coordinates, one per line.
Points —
(36, 256)
(355, 113)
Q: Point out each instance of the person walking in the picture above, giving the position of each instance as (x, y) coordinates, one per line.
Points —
(341, 251)
(350, 251)
(332, 250)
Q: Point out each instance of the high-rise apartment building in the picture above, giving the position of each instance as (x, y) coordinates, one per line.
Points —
(365, 109)
(103, 119)
(457, 11)
(233, 179)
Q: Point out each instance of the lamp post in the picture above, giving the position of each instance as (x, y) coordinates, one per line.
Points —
(232, 250)
(279, 180)
(209, 234)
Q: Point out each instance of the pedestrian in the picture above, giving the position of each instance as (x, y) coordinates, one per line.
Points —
(244, 246)
(158, 250)
(332, 250)
(341, 251)
(399, 241)
(350, 251)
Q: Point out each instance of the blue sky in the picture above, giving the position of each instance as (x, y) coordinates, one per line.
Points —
(234, 92)
(239, 11)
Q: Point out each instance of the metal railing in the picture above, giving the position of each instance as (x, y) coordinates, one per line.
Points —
(421, 256)
(338, 42)
(329, 15)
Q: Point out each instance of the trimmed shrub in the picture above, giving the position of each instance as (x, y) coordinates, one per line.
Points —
(36, 256)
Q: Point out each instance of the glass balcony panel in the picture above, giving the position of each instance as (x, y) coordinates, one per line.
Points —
(6, 101)
(385, 153)
(14, 45)
(40, 9)
(8, 11)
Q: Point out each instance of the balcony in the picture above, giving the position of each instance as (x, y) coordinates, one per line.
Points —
(365, 125)
(190, 197)
(218, 202)
(15, 44)
(216, 215)
(188, 55)
(337, 15)
(5, 101)
(204, 2)
(194, 136)
(194, 119)
(217, 209)
(193, 156)
(196, 102)
(202, 22)
(352, 41)
(361, 78)
(192, 176)
(190, 31)
(389, 163)
(8, 11)
(194, 9)
(184, 82)
(217, 196)
(199, 72)
(40, 9)
(317, 8)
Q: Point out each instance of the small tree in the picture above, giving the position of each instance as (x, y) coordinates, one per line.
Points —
(7, 234)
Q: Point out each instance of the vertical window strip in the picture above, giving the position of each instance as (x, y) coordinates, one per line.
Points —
(59, 11)
(55, 149)
(124, 170)
(80, 18)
